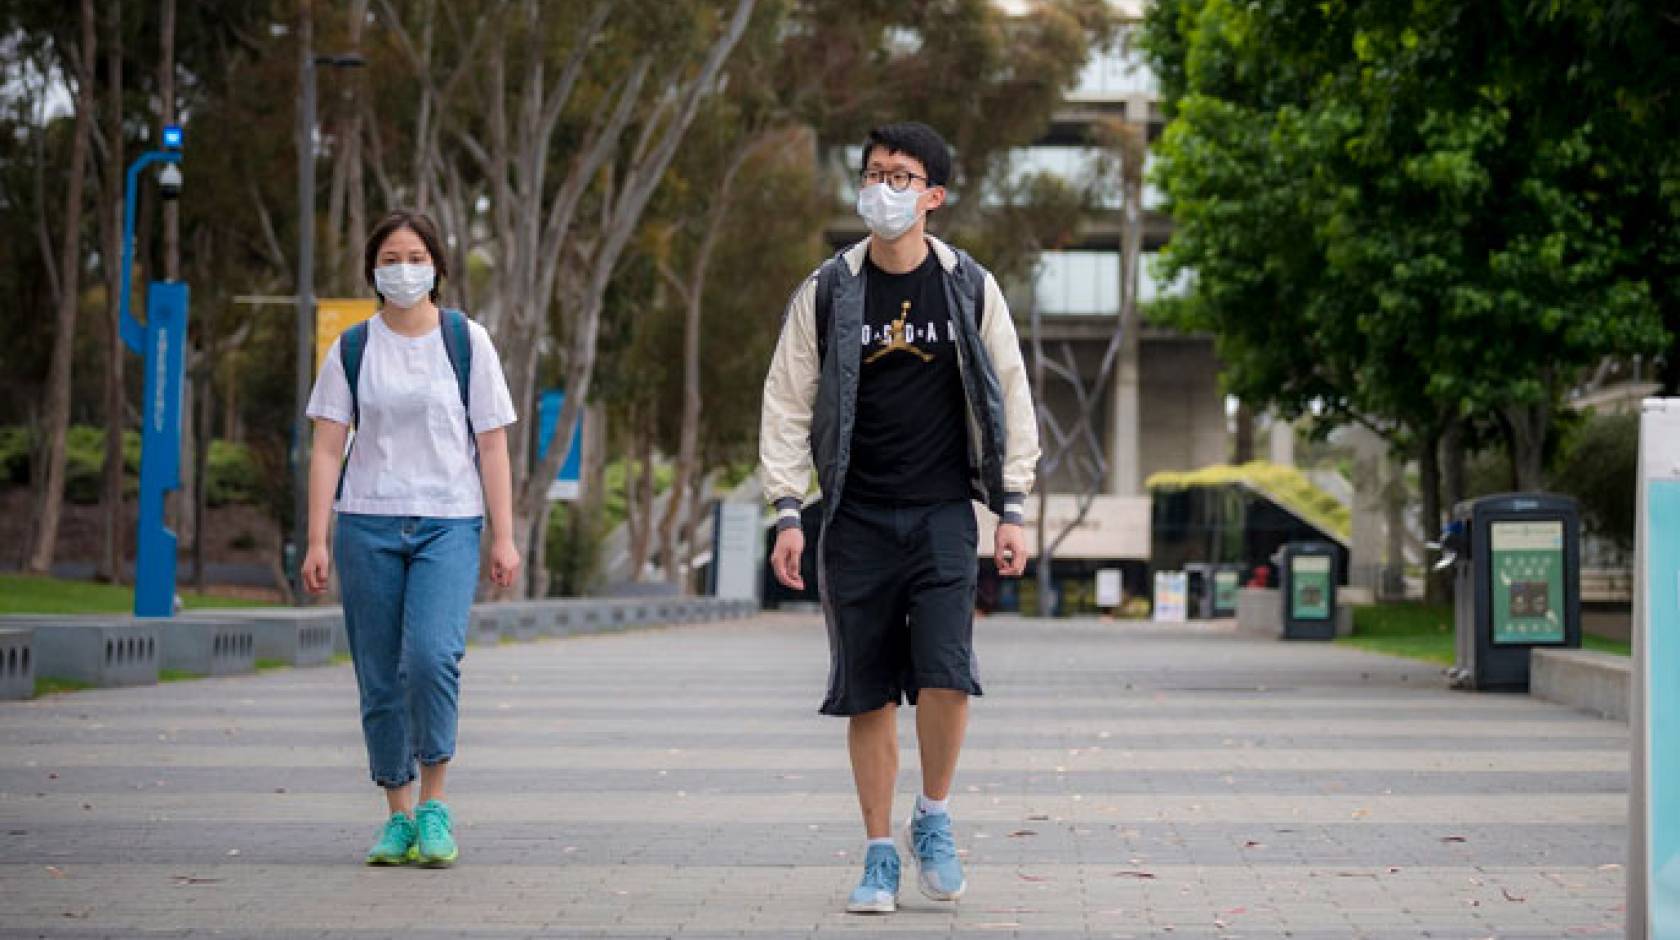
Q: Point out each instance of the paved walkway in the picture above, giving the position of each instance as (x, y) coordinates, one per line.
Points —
(1120, 781)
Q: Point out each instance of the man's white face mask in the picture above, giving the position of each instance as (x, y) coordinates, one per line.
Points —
(888, 214)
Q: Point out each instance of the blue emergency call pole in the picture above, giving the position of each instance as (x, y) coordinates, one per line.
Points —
(160, 342)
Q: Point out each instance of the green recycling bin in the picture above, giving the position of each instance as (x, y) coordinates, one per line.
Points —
(1227, 580)
(1517, 570)
(1308, 580)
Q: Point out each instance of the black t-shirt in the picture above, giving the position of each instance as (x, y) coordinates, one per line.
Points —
(909, 443)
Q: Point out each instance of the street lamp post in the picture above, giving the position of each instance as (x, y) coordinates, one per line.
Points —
(305, 377)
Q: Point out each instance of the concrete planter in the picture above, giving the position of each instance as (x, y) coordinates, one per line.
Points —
(17, 663)
(208, 647)
(99, 653)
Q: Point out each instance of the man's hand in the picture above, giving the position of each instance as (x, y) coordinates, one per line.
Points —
(784, 558)
(1010, 552)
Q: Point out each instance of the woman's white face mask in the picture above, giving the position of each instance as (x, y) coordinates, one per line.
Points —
(888, 214)
(404, 285)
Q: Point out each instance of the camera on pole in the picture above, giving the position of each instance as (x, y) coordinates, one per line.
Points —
(169, 181)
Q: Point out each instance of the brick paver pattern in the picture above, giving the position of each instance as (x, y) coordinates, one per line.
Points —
(1120, 780)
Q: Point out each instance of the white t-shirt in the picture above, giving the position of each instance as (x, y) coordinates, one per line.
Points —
(411, 455)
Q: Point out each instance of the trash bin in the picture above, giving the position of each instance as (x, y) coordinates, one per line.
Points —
(1307, 571)
(1199, 583)
(1517, 564)
(1227, 579)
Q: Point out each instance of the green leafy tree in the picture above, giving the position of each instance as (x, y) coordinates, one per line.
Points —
(1416, 215)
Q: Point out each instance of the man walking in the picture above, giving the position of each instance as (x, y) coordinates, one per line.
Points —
(898, 374)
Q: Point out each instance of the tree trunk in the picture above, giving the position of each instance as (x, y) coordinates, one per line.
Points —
(641, 524)
(1429, 481)
(111, 219)
(1526, 427)
(1244, 448)
(184, 502)
(1454, 460)
(205, 416)
(55, 423)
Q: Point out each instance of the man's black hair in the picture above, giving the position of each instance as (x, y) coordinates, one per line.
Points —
(913, 139)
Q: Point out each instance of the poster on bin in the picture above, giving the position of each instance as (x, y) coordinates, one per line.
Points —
(1108, 588)
(1309, 587)
(1172, 601)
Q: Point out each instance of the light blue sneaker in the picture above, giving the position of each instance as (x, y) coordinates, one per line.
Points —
(396, 843)
(435, 842)
(928, 840)
(878, 892)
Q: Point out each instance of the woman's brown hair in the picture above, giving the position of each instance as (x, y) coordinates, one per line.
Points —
(420, 224)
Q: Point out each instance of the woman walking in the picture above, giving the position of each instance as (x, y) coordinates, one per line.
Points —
(424, 390)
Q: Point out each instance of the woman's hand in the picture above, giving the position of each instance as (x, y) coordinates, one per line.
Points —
(315, 565)
(504, 562)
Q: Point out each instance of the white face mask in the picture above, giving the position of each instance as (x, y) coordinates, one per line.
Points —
(888, 214)
(403, 285)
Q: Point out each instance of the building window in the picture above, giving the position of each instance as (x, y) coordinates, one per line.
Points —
(1113, 73)
(1080, 167)
(1078, 283)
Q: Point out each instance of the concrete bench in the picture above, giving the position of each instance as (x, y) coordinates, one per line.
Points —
(484, 625)
(208, 647)
(1597, 683)
(17, 663)
(102, 653)
(295, 636)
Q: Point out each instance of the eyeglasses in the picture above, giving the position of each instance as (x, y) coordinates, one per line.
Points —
(897, 180)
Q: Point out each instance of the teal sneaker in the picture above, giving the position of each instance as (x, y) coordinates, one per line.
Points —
(396, 845)
(436, 845)
(928, 839)
(878, 892)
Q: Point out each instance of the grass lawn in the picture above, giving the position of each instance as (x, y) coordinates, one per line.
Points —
(1421, 631)
(26, 594)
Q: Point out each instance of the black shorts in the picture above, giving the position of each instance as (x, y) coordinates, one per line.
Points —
(897, 587)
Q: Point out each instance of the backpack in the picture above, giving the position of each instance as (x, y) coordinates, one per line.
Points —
(825, 298)
(457, 343)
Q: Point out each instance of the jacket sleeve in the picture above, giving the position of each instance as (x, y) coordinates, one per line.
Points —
(790, 391)
(1021, 452)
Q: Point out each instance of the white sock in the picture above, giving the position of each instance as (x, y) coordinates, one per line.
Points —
(884, 840)
(927, 807)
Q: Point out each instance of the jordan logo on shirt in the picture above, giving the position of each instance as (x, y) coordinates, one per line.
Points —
(895, 341)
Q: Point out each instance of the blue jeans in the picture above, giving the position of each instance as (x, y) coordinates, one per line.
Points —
(407, 584)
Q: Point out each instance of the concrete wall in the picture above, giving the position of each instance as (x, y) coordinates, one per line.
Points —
(1183, 412)
(1596, 683)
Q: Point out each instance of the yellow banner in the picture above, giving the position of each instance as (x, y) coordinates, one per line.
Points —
(334, 315)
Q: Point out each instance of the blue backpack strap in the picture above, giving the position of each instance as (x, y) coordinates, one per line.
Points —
(351, 345)
(457, 342)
